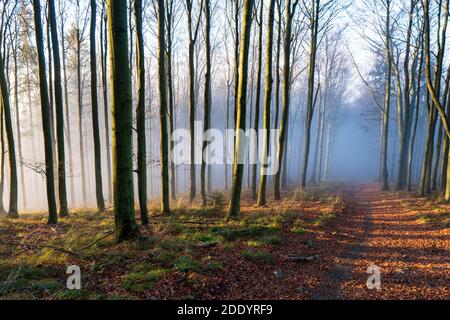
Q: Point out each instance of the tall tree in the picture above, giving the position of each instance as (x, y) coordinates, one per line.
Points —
(94, 100)
(235, 202)
(122, 120)
(258, 98)
(267, 102)
(46, 118)
(2, 158)
(78, 43)
(208, 97)
(171, 9)
(193, 31)
(165, 202)
(314, 15)
(140, 112)
(103, 55)
(433, 88)
(290, 12)
(15, 45)
(13, 194)
(63, 206)
(67, 124)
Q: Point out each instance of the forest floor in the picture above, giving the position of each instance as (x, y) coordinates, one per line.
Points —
(316, 244)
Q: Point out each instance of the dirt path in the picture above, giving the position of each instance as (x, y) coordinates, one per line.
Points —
(414, 258)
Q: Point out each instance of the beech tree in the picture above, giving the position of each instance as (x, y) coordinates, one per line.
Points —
(236, 190)
(121, 108)
(262, 201)
(63, 206)
(46, 118)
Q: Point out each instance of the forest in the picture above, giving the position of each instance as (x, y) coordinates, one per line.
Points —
(224, 150)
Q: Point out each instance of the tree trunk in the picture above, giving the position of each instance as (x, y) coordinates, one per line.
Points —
(207, 101)
(80, 112)
(2, 156)
(286, 98)
(95, 120)
(387, 108)
(46, 118)
(13, 194)
(104, 53)
(262, 201)
(234, 208)
(173, 177)
(258, 101)
(122, 119)
(67, 124)
(19, 132)
(63, 208)
(165, 194)
(140, 112)
(314, 29)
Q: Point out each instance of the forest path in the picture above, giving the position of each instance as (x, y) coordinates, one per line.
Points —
(414, 258)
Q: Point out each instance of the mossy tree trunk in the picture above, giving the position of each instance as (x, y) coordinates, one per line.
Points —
(122, 119)
(235, 202)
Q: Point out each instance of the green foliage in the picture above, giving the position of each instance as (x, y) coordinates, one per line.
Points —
(324, 218)
(209, 264)
(141, 281)
(442, 218)
(231, 233)
(186, 264)
(272, 240)
(217, 201)
(258, 256)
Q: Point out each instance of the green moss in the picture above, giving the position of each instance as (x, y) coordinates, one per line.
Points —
(258, 256)
(186, 264)
(209, 264)
(272, 240)
(165, 258)
(72, 295)
(232, 233)
(142, 281)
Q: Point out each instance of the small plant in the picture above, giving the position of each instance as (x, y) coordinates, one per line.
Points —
(298, 228)
(258, 256)
(142, 281)
(217, 201)
(186, 264)
(272, 240)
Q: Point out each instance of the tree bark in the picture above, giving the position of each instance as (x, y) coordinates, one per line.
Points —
(46, 118)
(207, 101)
(122, 119)
(63, 206)
(140, 112)
(165, 202)
(262, 198)
(95, 120)
(234, 208)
